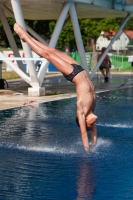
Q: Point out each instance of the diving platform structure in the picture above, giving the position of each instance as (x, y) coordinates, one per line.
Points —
(58, 10)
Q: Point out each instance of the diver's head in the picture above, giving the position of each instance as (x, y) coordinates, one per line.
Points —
(90, 120)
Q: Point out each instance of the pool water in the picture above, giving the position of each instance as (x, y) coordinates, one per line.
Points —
(42, 156)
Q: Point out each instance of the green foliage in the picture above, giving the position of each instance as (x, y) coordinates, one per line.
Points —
(129, 25)
(41, 27)
(90, 28)
(67, 38)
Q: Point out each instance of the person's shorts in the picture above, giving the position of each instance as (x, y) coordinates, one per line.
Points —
(103, 67)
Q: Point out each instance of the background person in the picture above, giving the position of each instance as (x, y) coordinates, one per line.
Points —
(105, 66)
(67, 50)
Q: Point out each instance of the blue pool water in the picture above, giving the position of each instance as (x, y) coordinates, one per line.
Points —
(42, 156)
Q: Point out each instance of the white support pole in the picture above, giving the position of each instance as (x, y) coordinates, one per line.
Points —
(54, 38)
(78, 37)
(20, 20)
(10, 38)
(110, 45)
(29, 29)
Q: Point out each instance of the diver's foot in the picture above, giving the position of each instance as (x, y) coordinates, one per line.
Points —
(20, 31)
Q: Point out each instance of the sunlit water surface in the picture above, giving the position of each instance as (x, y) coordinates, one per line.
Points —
(42, 156)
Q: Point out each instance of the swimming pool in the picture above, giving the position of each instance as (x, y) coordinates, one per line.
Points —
(42, 156)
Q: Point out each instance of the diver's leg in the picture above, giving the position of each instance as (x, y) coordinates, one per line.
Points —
(107, 71)
(64, 56)
(102, 71)
(62, 65)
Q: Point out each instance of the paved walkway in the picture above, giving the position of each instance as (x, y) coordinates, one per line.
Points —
(57, 87)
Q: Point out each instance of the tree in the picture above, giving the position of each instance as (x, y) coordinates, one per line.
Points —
(90, 30)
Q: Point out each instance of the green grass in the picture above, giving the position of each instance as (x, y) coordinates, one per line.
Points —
(10, 75)
(121, 70)
(14, 75)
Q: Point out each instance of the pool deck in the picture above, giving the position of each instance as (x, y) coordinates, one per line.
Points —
(57, 87)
